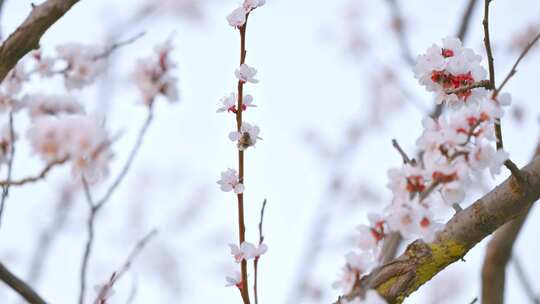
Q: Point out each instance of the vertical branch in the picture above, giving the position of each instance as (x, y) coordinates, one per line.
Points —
(256, 260)
(487, 44)
(5, 188)
(465, 20)
(241, 222)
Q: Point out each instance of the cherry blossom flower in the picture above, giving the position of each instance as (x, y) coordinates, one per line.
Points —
(81, 139)
(13, 82)
(235, 279)
(451, 66)
(237, 18)
(356, 265)
(44, 65)
(250, 5)
(247, 137)
(228, 103)
(247, 251)
(83, 64)
(229, 181)
(152, 75)
(370, 236)
(246, 73)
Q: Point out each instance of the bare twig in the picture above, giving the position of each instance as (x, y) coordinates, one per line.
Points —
(37, 177)
(95, 207)
(26, 37)
(513, 71)
(105, 290)
(129, 162)
(487, 44)
(5, 188)
(404, 156)
(113, 47)
(20, 287)
(399, 28)
(256, 260)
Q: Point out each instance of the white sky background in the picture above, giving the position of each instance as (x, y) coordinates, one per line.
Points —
(308, 81)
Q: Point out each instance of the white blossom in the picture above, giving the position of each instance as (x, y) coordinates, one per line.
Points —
(229, 181)
(83, 64)
(237, 18)
(245, 73)
(153, 77)
(235, 279)
(247, 137)
(79, 138)
(247, 251)
(371, 297)
(228, 103)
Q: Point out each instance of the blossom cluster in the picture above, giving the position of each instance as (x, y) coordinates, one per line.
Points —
(451, 66)
(60, 128)
(456, 149)
(153, 76)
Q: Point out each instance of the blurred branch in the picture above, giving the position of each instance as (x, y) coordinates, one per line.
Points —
(498, 253)
(256, 260)
(398, 24)
(402, 276)
(466, 20)
(26, 37)
(19, 286)
(95, 207)
(513, 71)
(106, 289)
(38, 177)
(2, 2)
(5, 188)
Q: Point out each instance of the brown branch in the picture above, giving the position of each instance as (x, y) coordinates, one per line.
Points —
(20, 287)
(487, 44)
(241, 222)
(480, 84)
(498, 253)
(466, 20)
(26, 37)
(402, 276)
(37, 177)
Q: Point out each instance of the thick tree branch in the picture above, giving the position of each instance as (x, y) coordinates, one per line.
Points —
(498, 253)
(26, 37)
(402, 276)
(19, 286)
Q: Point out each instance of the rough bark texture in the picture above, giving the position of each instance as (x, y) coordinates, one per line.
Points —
(26, 37)
(498, 254)
(402, 276)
